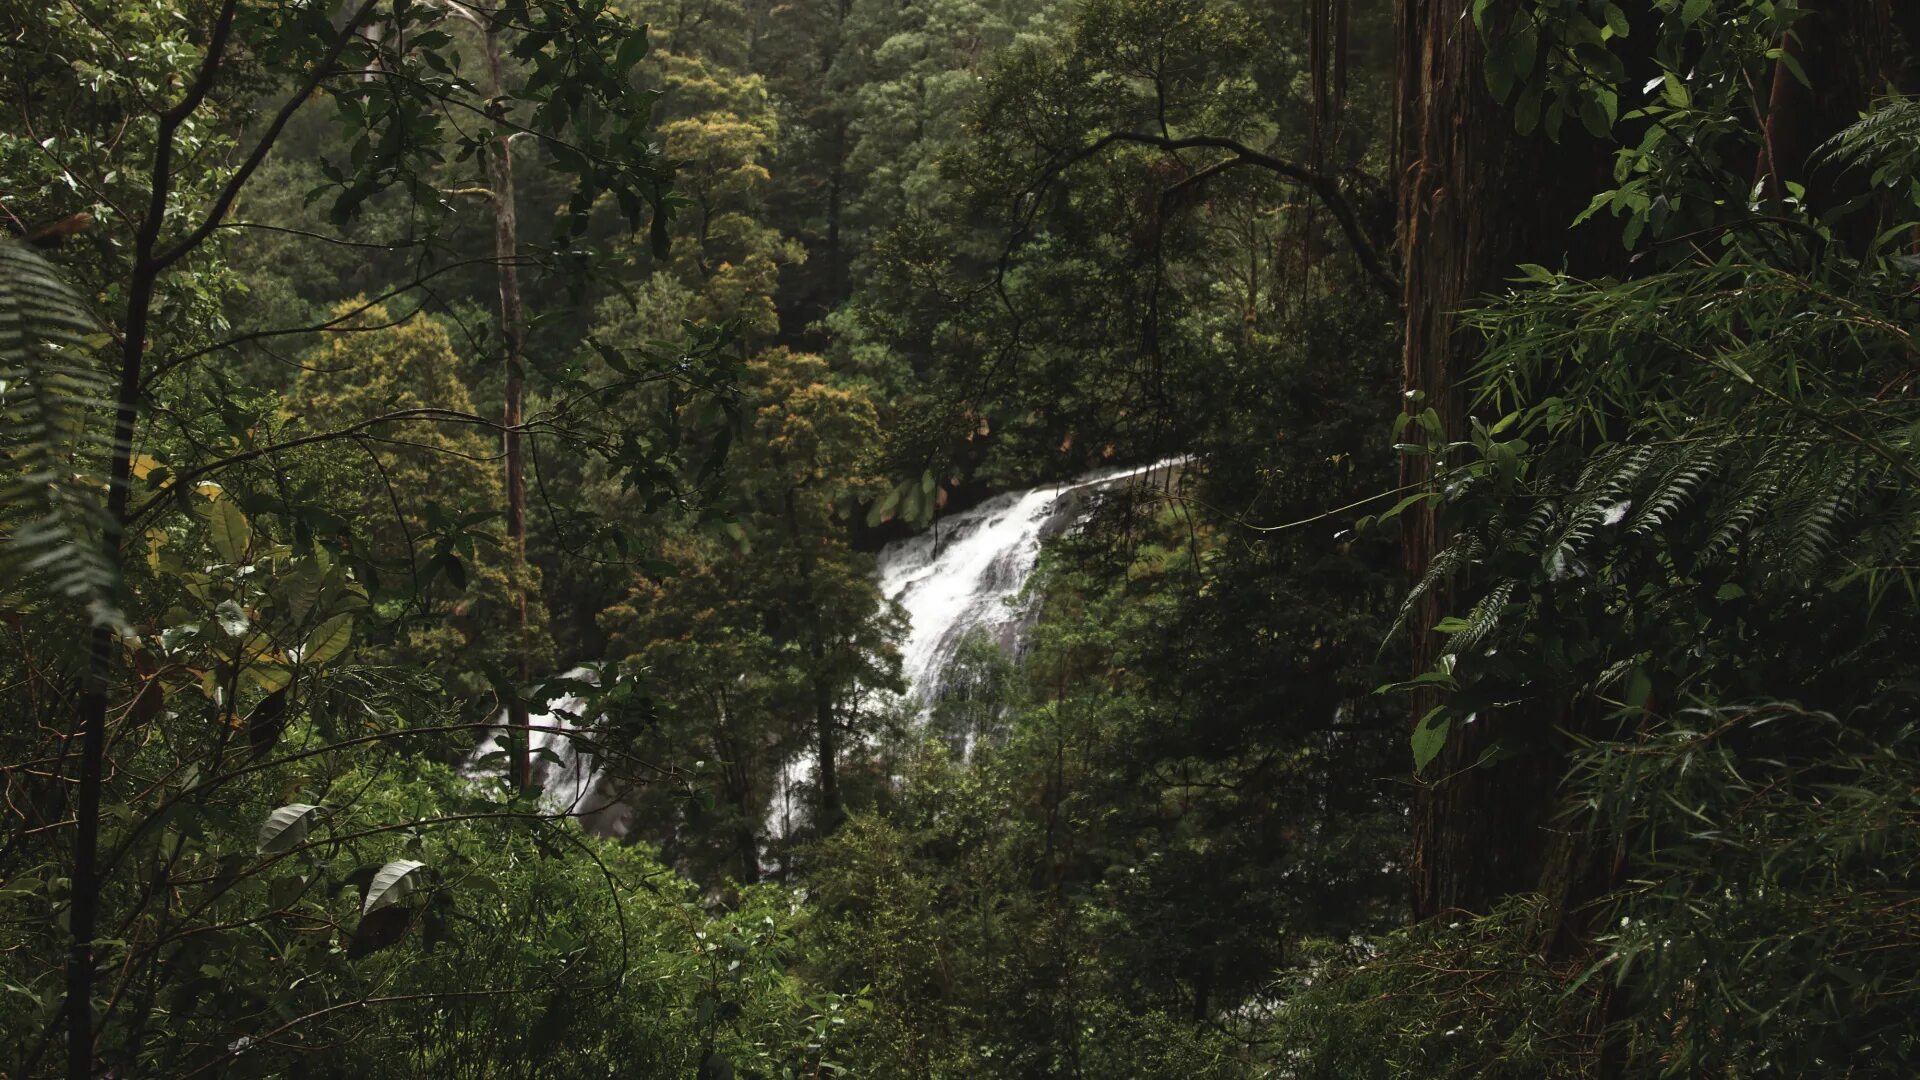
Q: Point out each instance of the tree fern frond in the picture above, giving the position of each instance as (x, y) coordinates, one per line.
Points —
(1680, 485)
(1538, 522)
(1757, 490)
(1807, 526)
(1483, 619)
(53, 454)
(1601, 498)
(1889, 136)
(1450, 560)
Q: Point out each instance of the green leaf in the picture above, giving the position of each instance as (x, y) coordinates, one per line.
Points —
(1594, 115)
(228, 529)
(1639, 689)
(328, 640)
(659, 241)
(632, 50)
(285, 828)
(1526, 112)
(1616, 20)
(267, 720)
(1675, 91)
(1524, 48)
(883, 510)
(1429, 737)
(1404, 503)
(392, 884)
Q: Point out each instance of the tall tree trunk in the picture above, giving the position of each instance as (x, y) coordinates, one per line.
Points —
(512, 330)
(828, 746)
(88, 879)
(1845, 49)
(1475, 200)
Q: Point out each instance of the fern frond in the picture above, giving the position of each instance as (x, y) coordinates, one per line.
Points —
(1601, 498)
(1889, 136)
(1806, 526)
(53, 453)
(1539, 521)
(1449, 561)
(1681, 484)
(1757, 490)
(1483, 620)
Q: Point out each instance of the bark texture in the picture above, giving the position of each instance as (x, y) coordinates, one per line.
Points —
(1475, 200)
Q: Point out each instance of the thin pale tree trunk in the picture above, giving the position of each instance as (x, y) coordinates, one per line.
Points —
(512, 330)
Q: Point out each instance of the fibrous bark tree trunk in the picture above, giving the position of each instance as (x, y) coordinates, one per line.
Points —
(1475, 200)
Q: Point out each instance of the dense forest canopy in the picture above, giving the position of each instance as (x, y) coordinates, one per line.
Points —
(959, 538)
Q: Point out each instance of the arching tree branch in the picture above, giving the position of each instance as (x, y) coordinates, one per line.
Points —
(1324, 187)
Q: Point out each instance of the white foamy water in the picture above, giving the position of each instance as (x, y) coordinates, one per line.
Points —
(964, 575)
(570, 780)
(960, 577)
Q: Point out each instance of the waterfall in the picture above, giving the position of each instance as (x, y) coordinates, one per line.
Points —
(960, 577)
(956, 579)
(569, 779)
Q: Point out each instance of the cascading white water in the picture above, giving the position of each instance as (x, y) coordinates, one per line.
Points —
(569, 779)
(960, 577)
(956, 579)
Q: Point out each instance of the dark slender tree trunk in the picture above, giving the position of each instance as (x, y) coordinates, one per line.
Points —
(1842, 46)
(83, 914)
(512, 330)
(1845, 48)
(827, 730)
(1475, 200)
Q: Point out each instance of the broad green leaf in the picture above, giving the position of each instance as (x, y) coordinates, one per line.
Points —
(328, 640)
(285, 828)
(883, 510)
(269, 677)
(1616, 20)
(1428, 738)
(632, 50)
(393, 883)
(377, 930)
(228, 529)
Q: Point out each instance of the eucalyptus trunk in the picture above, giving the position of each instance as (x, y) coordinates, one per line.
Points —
(1475, 200)
(512, 331)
